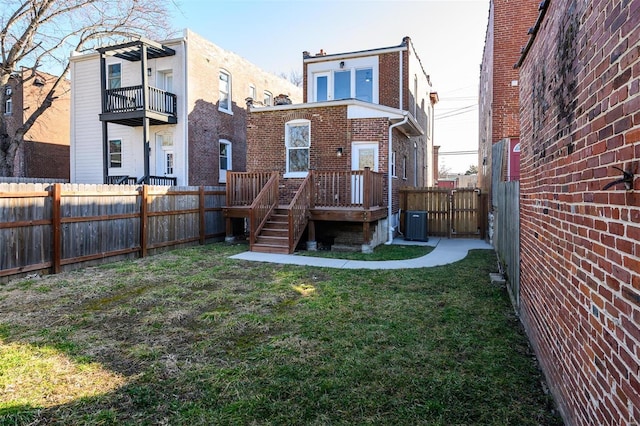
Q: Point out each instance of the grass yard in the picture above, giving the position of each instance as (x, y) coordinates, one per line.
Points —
(382, 252)
(191, 337)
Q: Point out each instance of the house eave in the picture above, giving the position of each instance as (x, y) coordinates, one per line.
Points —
(355, 109)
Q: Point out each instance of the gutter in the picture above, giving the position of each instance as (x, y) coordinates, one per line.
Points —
(390, 179)
(533, 31)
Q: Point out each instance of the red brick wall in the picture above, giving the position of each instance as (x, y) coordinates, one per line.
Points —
(330, 130)
(507, 29)
(580, 244)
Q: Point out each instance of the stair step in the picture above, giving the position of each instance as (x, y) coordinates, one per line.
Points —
(274, 232)
(269, 248)
(266, 239)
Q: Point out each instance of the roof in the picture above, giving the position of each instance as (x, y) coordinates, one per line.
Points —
(132, 50)
(322, 56)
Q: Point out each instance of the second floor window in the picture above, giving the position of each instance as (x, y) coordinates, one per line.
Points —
(225, 92)
(298, 142)
(114, 76)
(345, 84)
(115, 153)
(8, 103)
(252, 92)
(268, 99)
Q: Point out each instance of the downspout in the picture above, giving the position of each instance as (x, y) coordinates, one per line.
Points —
(401, 81)
(390, 179)
(185, 106)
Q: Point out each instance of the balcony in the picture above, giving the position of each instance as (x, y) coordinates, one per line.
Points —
(125, 106)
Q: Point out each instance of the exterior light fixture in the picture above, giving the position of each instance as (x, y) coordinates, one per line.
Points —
(339, 152)
(341, 64)
(149, 72)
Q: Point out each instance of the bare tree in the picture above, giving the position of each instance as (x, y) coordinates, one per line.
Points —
(444, 171)
(294, 77)
(42, 33)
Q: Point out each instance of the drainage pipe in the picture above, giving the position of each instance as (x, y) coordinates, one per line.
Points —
(390, 180)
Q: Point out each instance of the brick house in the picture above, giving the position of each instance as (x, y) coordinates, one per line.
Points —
(580, 215)
(363, 132)
(164, 113)
(498, 98)
(44, 152)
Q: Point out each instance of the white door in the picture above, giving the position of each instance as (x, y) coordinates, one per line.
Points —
(363, 155)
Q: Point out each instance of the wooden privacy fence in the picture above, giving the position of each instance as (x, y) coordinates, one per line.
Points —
(47, 227)
(506, 234)
(450, 212)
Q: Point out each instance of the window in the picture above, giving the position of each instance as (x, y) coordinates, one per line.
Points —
(342, 85)
(268, 99)
(252, 91)
(393, 164)
(225, 92)
(114, 76)
(404, 167)
(364, 85)
(322, 87)
(168, 163)
(298, 142)
(225, 159)
(115, 153)
(8, 103)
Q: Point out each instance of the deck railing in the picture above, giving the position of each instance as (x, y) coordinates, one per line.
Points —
(354, 189)
(262, 206)
(127, 99)
(244, 187)
(298, 212)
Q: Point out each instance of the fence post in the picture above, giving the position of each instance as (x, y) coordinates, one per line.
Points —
(143, 220)
(202, 222)
(56, 227)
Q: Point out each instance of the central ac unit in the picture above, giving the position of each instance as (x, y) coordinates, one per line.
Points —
(416, 226)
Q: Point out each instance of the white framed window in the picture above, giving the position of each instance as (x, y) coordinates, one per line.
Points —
(114, 76)
(344, 78)
(252, 92)
(168, 162)
(8, 102)
(224, 87)
(268, 98)
(342, 84)
(115, 153)
(393, 164)
(298, 144)
(225, 160)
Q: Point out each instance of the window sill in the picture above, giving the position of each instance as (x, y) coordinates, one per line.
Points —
(226, 111)
(296, 175)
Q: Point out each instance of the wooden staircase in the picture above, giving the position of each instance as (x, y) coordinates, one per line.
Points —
(274, 237)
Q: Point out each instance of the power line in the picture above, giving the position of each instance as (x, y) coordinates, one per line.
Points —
(457, 152)
(459, 112)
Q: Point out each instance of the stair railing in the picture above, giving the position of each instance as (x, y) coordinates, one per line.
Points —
(262, 207)
(298, 211)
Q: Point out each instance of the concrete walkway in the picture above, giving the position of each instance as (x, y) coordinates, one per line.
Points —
(445, 251)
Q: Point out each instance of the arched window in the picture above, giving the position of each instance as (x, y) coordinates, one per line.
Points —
(298, 143)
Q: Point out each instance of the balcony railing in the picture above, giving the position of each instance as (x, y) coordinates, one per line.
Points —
(127, 99)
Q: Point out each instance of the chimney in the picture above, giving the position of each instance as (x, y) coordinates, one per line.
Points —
(282, 100)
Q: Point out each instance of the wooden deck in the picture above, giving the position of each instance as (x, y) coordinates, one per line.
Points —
(351, 196)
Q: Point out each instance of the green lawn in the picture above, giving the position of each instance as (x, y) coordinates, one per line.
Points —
(191, 337)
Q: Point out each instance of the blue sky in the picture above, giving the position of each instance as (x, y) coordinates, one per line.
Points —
(448, 36)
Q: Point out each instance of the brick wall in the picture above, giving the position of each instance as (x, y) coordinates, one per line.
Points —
(506, 34)
(580, 244)
(45, 150)
(330, 130)
(207, 124)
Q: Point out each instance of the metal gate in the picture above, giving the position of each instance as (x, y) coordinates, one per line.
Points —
(451, 213)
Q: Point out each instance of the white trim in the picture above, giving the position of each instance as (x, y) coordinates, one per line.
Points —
(286, 147)
(229, 92)
(340, 56)
(221, 178)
